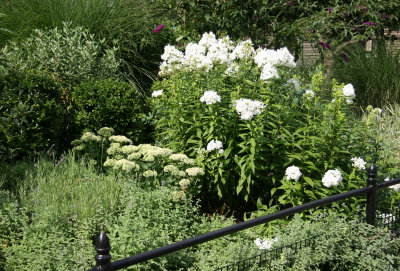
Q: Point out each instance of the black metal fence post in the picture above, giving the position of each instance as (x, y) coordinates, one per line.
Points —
(371, 195)
(103, 257)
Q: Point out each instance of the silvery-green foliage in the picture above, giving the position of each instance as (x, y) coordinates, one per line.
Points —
(339, 244)
(71, 54)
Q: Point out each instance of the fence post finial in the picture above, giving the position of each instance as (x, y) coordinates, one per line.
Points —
(371, 195)
(103, 257)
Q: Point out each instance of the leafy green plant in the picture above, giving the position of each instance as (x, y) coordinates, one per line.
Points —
(31, 112)
(246, 119)
(338, 244)
(373, 73)
(129, 22)
(70, 54)
(112, 103)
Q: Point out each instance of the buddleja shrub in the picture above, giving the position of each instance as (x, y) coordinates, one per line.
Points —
(263, 137)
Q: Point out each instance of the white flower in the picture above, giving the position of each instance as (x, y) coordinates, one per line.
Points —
(248, 108)
(232, 69)
(377, 111)
(157, 93)
(171, 54)
(395, 187)
(210, 97)
(309, 94)
(208, 39)
(294, 82)
(269, 71)
(293, 173)
(215, 145)
(194, 171)
(387, 218)
(332, 178)
(264, 243)
(120, 139)
(358, 163)
(243, 50)
(348, 92)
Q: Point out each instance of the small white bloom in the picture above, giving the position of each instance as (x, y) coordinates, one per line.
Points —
(194, 171)
(157, 93)
(293, 173)
(268, 72)
(395, 187)
(309, 94)
(358, 163)
(214, 145)
(264, 243)
(294, 82)
(210, 97)
(332, 178)
(247, 108)
(348, 91)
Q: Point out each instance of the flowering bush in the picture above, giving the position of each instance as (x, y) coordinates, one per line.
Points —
(246, 117)
(147, 165)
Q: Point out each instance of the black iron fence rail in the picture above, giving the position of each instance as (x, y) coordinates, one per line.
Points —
(103, 257)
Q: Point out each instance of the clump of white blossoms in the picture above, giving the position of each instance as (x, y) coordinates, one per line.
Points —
(210, 97)
(243, 50)
(195, 171)
(349, 93)
(332, 178)
(215, 145)
(309, 94)
(120, 139)
(395, 187)
(157, 93)
(265, 243)
(294, 82)
(293, 173)
(358, 163)
(89, 136)
(247, 108)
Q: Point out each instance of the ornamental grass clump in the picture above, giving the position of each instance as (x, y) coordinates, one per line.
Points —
(245, 116)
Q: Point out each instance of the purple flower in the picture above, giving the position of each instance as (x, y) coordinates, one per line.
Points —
(368, 23)
(387, 17)
(158, 28)
(289, 3)
(325, 45)
(344, 56)
(329, 9)
(363, 8)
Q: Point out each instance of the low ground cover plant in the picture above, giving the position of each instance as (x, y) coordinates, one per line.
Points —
(264, 136)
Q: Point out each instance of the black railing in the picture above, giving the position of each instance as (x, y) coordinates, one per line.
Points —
(103, 248)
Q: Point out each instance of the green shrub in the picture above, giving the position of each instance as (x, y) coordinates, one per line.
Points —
(374, 74)
(111, 103)
(31, 112)
(130, 22)
(339, 244)
(70, 54)
(246, 119)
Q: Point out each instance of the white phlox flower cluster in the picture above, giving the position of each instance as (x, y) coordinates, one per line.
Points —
(309, 94)
(332, 178)
(157, 93)
(395, 187)
(358, 163)
(244, 49)
(210, 97)
(247, 108)
(210, 51)
(268, 60)
(265, 243)
(293, 173)
(349, 93)
(232, 69)
(294, 82)
(215, 145)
